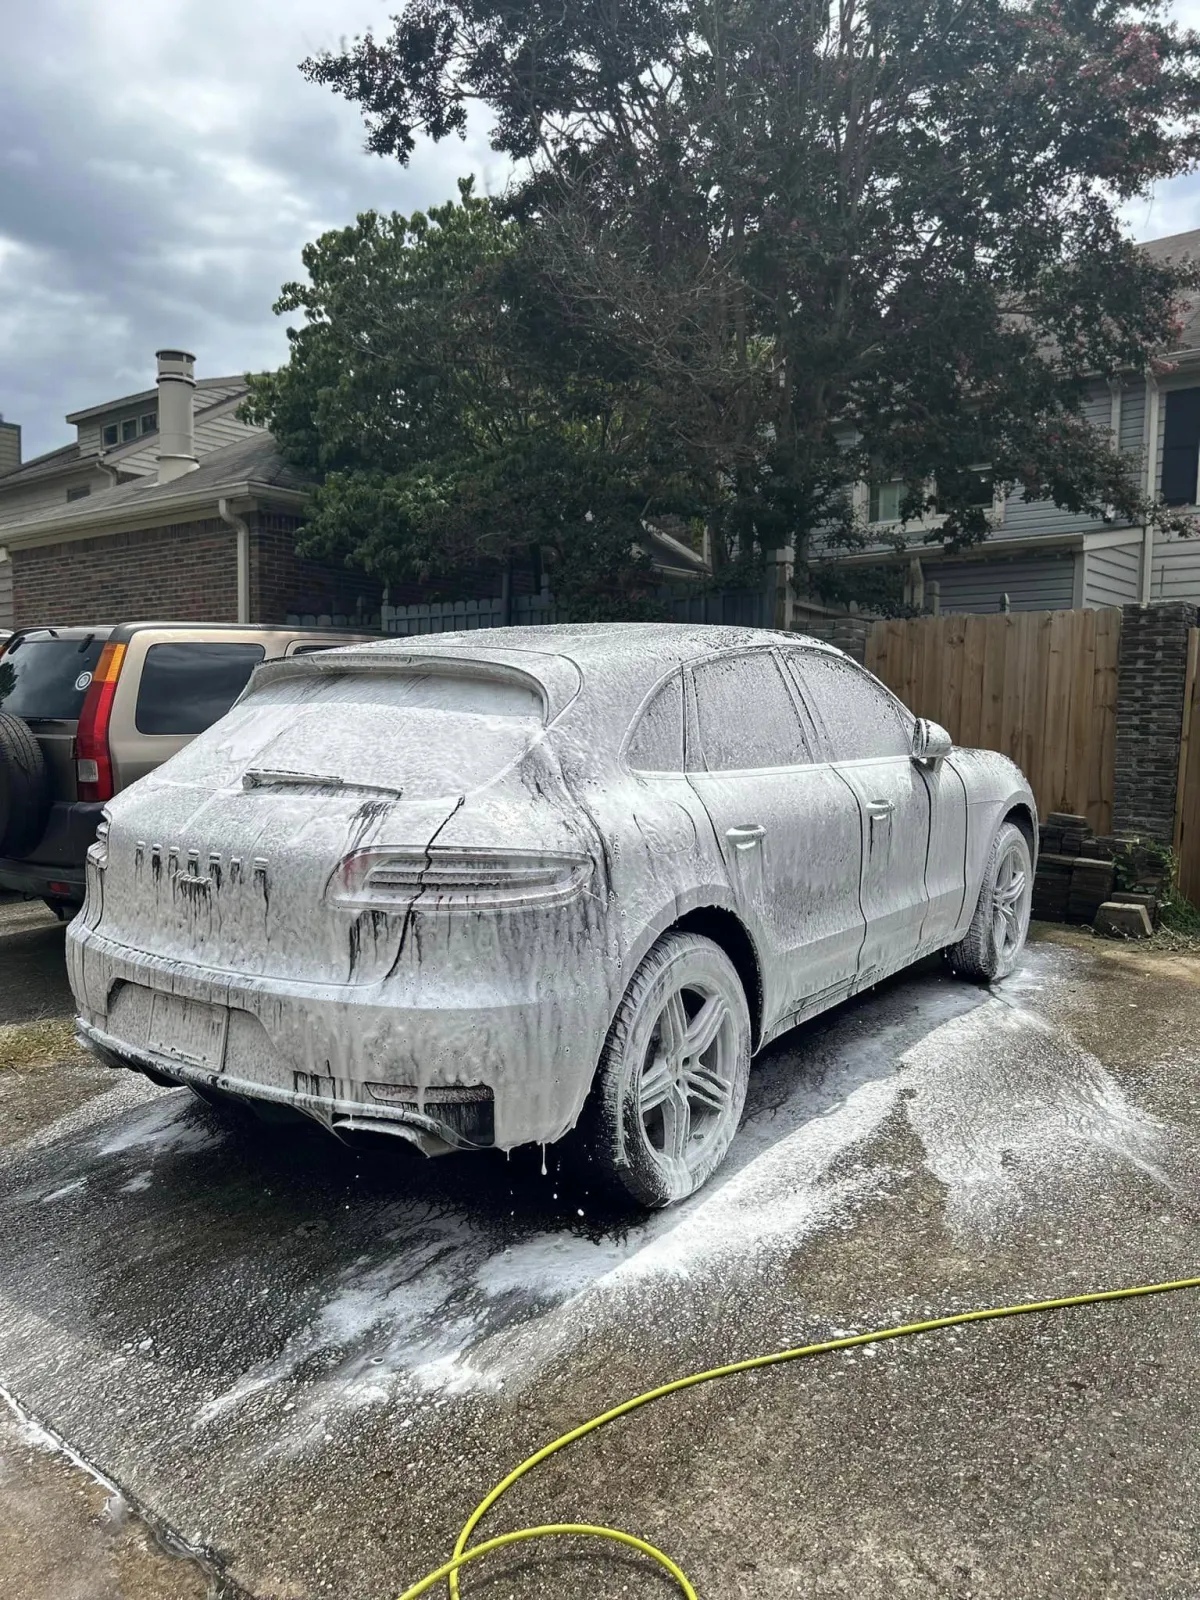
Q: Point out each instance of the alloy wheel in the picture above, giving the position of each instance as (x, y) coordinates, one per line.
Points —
(686, 1088)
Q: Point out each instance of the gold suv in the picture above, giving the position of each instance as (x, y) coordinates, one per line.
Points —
(86, 711)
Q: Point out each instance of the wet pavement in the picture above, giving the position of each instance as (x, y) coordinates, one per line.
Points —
(310, 1362)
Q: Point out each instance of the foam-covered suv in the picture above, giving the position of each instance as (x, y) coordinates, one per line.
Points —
(86, 711)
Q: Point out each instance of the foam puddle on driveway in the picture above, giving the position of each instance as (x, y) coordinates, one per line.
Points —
(1004, 1104)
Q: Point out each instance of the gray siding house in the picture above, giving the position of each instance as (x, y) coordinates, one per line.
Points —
(1040, 558)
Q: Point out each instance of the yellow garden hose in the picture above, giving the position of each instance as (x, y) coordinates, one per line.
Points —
(450, 1570)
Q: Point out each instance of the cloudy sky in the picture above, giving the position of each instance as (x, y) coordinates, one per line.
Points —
(160, 169)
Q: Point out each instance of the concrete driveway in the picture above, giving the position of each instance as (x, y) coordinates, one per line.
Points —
(309, 1363)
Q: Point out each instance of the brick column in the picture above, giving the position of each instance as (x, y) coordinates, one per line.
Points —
(1150, 684)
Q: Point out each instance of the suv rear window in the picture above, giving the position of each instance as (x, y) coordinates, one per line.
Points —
(46, 679)
(186, 687)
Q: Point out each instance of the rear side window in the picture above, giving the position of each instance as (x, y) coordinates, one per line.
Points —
(855, 716)
(48, 678)
(657, 743)
(746, 716)
(186, 687)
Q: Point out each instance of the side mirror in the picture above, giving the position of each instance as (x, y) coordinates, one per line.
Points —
(930, 740)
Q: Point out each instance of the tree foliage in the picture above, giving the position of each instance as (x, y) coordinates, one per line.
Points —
(775, 246)
(451, 423)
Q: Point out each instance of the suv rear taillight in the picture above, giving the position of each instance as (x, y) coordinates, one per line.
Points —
(93, 760)
(458, 880)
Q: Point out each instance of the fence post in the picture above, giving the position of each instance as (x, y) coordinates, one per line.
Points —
(781, 565)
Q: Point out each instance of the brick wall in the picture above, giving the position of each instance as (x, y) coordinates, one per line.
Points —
(847, 633)
(281, 582)
(1150, 686)
(185, 573)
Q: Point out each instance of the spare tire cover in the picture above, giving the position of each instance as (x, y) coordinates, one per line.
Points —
(24, 787)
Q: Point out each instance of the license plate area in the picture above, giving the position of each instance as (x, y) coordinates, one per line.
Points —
(188, 1030)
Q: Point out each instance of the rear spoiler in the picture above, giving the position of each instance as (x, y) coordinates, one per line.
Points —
(556, 683)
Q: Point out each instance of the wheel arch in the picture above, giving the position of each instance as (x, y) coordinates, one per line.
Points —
(1021, 815)
(726, 930)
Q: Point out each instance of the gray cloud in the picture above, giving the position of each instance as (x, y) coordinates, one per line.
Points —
(157, 181)
(160, 171)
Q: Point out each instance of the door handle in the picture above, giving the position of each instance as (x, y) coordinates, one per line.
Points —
(746, 836)
(877, 810)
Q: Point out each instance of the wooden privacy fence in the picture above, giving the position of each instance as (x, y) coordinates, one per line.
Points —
(1039, 685)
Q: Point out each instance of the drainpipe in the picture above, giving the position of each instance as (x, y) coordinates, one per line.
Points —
(1147, 567)
(238, 524)
(106, 466)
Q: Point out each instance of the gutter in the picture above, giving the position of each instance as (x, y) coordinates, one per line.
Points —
(238, 524)
(131, 517)
(988, 550)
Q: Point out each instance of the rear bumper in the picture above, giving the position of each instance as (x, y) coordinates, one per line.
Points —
(436, 1060)
(57, 860)
(431, 1134)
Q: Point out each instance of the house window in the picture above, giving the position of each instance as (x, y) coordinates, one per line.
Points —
(128, 429)
(112, 434)
(981, 491)
(79, 494)
(149, 421)
(885, 501)
(1181, 447)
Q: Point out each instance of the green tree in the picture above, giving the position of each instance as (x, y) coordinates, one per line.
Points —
(450, 423)
(878, 239)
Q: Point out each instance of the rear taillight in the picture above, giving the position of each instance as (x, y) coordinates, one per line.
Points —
(457, 880)
(93, 760)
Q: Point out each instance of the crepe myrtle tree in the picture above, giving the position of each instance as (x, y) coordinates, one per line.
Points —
(451, 422)
(830, 240)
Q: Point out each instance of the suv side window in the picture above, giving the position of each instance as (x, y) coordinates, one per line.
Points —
(746, 716)
(855, 716)
(657, 743)
(186, 687)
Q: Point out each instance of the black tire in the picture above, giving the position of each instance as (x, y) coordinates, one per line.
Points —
(658, 1150)
(993, 943)
(24, 787)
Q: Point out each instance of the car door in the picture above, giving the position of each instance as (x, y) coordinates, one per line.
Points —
(788, 828)
(865, 735)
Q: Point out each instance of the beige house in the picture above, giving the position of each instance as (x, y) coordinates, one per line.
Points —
(117, 442)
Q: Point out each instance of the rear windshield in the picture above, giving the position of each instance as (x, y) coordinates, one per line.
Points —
(424, 734)
(46, 679)
(185, 687)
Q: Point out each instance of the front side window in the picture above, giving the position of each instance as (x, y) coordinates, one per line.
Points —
(855, 716)
(657, 743)
(186, 687)
(746, 716)
(1181, 447)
